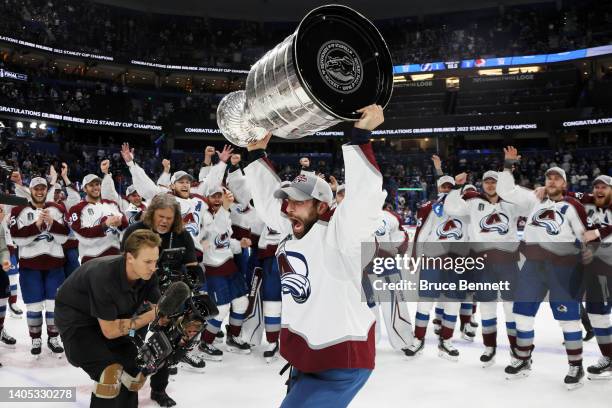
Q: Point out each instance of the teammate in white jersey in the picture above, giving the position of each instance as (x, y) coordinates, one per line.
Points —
(553, 227)
(492, 228)
(327, 332)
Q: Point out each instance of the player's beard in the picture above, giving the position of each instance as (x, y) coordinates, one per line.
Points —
(603, 202)
(301, 226)
(37, 201)
(554, 192)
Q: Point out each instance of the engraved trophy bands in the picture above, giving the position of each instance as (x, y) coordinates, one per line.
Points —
(333, 64)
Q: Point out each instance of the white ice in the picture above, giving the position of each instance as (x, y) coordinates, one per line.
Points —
(248, 382)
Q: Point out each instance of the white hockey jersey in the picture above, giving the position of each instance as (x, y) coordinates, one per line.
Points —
(554, 226)
(39, 248)
(132, 212)
(601, 219)
(325, 322)
(437, 230)
(218, 257)
(491, 226)
(95, 238)
(390, 235)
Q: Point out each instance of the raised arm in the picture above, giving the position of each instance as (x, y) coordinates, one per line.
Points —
(508, 190)
(165, 178)
(263, 181)
(358, 215)
(146, 187)
(215, 176)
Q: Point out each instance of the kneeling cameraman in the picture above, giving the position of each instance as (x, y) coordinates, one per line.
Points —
(178, 262)
(95, 312)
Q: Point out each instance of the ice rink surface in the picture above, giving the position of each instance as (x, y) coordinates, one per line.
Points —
(248, 382)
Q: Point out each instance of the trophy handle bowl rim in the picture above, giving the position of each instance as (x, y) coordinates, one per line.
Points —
(306, 86)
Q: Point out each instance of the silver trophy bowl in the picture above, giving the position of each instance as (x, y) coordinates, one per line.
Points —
(335, 63)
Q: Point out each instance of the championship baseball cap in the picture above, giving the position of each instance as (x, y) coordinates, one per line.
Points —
(179, 175)
(490, 174)
(89, 178)
(58, 186)
(603, 179)
(445, 179)
(306, 186)
(213, 190)
(557, 170)
(37, 181)
(340, 188)
(130, 190)
(469, 187)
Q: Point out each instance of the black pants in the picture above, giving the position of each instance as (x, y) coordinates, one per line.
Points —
(87, 348)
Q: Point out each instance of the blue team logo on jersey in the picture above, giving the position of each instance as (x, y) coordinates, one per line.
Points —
(133, 216)
(438, 209)
(222, 241)
(45, 236)
(192, 221)
(495, 222)
(549, 219)
(294, 274)
(382, 230)
(450, 229)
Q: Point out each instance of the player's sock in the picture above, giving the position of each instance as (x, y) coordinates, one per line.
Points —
(272, 320)
(439, 312)
(603, 332)
(524, 336)
(34, 318)
(212, 328)
(13, 275)
(510, 324)
(465, 313)
(236, 317)
(422, 319)
(488, 313)
(572, 334)
(449, 319)
(50, 318)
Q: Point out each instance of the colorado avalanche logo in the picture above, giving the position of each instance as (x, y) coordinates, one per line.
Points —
(382, 230)
(222, 241)
(192, 221)
(495, 222)
(294, 275)
(45, 236)
(549, 219)
(451, 229)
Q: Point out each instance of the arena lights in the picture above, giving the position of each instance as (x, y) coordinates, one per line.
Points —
(33, 125)
(42, 126)
(504, 61)
(421, 77)
(2, 125)
(19, 125)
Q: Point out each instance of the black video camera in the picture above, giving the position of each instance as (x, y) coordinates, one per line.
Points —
(170, 341)
(171, 269)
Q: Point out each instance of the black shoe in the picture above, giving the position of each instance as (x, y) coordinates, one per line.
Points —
(518, 368)
(236, 345)
(271, 353)
(488, 357)
(467, 332)
(193, 360)
(54, 345)
(36, 346)
(447, 351)
(6, 340)
(588, 335)
(415, 348)
(162, 399)
(15, 311)
(210, 352)
(602, 370)
(574, 378)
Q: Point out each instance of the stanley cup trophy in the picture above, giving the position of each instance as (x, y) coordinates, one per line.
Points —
(335, 63)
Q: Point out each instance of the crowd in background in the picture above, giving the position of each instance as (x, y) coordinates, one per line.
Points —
(409, 179)
(128, 34)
